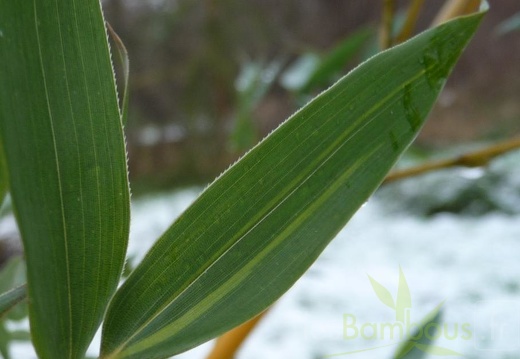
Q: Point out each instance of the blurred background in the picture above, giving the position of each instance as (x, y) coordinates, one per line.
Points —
(209, 78)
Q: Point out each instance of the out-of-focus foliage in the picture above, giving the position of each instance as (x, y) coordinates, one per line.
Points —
(420, 343)
(187, 57)
(187, 118)
(12, 275)
(3, 176)
(252, 85)
(312, 71)
(509, 25)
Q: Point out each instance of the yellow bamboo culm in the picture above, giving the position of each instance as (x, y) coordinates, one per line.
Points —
(228, 344)
(387, 24)
(454, 8)
(412, 16)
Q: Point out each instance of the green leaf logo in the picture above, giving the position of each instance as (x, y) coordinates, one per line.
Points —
(414, 339)
(382, 293)
(424, 334)
(403, 301)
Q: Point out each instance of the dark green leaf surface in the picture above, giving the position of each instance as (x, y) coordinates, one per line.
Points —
(11, 298)
(256, 229)
(420, 343)
(13, 288)
(5, 341)
(4, 180)
(62, 134)
(12, 275)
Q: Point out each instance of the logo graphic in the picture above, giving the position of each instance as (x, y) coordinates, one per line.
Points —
(497, 325)
(412, 338)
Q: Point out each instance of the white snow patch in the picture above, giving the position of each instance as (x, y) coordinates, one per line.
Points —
(471, 262)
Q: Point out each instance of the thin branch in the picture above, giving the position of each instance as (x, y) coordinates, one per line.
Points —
(387, 24)
(412, 15)
(454, 8)
(478, 158)
(228, 344)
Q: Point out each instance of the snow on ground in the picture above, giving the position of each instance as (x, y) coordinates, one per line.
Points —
(470, 262)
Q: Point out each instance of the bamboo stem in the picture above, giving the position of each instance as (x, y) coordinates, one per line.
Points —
(387, 24)
(412, 15)
(477, 158)
(454, 8)
(228, 344)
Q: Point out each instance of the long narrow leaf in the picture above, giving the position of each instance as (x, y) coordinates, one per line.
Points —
(11, 298)
(14, 292)
(420, 342)
(336, 60)
(121, 54)
(4, 178)
(61, 129)
(12, 287)
(510, 24)
(256, 230)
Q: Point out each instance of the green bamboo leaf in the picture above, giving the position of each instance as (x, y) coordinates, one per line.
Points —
(336, 59)
(437, 350)
(420, 342)
(61, 129)
(404, 298)
(509, 25)
(299, 72)
(382, 293)
(312, 71)
(11, 298)
(253, 83)
(13, 275)
(260, 226)
(4, 178)
(20, 335)
(13, 288)
(405, 350)
(5, 341)
(123, 60)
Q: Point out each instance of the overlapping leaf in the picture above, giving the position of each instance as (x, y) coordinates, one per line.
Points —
(420, 343)
(12, 287)
(11, 298)
(4, 180)
(336, 60)
(310, 71)
(255, 230)
(61, 130)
